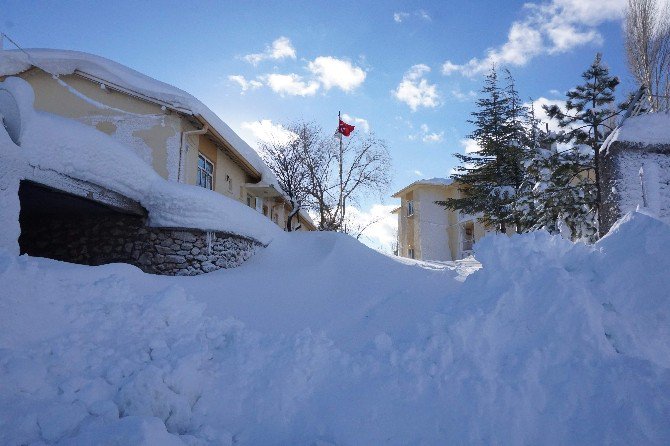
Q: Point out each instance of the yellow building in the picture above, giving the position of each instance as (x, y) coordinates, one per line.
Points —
(173, 132)
(428, 231)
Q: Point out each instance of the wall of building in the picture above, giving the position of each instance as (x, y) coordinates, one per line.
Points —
(154, 134)
(407, 229)
(622, 187)
(433, 231)
(433, 224)
(119, 238)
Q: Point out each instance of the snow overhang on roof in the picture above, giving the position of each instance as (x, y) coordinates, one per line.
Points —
(439, 182)
(263, 190)
(648, 129)
(126, 80)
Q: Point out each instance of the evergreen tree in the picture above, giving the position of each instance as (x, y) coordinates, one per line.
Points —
(492, 179)
(560, 194)
(587, 121)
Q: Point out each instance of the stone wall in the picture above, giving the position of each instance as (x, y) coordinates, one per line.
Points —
(623, 190)
(111, 238)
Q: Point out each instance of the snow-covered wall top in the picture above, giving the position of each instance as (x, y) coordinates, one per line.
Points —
(66, 146)
(653, 128)
(428, 182)
(63, 62)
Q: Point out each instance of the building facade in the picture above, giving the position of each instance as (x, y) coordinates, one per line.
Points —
(428, 231)
(179, 137)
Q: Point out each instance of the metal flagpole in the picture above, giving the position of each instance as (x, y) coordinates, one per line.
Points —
(340, 161)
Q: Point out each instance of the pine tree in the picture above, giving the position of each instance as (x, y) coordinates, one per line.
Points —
(491, 179)
(586, 122)
(559, 196)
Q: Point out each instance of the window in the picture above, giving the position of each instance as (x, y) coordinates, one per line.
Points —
(468, 236)
(205, 172)
(410, 208)
(410, 253)
(250, 201)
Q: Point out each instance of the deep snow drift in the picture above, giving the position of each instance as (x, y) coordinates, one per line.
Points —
(319, 340)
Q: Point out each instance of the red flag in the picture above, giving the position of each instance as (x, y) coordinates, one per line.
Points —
(345, 128)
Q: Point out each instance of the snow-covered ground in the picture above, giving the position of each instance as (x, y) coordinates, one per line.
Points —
(320, 340)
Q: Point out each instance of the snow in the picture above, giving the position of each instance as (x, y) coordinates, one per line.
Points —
(427, 182)
(51, 142)
(644, 175)
(63, 62)
(651, 128)
(320, 340)
(435, 181)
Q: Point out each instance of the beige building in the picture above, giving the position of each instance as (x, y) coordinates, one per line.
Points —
(428, 231)
(177, 135)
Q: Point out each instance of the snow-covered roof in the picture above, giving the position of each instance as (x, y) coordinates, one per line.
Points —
(63, 62)
(426, 182)
(53, 143)
(652, 128)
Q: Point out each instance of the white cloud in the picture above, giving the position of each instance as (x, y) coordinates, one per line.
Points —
(418, 173)
(449, 67)
(291, 84)
(244, 83)
(415, 91)
(280, 49)
(463, 96)
(433, 137)
(469, 145)
(398, 17)
(360, 123)
(382, 234)
(427, 136)
(540, 114)
(332, 72)
(523, 43)
(402, 16)
(552, 27)
(423, 14)
(266, 131)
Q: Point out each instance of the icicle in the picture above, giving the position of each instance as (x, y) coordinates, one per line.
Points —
(644, 194)
(209, 243)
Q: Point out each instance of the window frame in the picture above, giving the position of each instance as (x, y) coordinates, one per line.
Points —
(410, 208)
(202, 172)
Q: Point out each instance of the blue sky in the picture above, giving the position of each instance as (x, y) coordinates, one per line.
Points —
(410, 69)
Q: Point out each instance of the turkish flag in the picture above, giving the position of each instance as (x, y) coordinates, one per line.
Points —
(345, 128)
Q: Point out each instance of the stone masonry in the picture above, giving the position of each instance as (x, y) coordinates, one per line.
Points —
(111, 238)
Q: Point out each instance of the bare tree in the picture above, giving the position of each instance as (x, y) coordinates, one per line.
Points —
(326, 174)
(355, 166)
(647, 35)
(284, 157)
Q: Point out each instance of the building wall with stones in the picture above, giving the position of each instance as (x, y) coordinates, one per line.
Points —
(112, 238)
(634, 175)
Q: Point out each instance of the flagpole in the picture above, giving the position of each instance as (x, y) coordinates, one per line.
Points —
(340, 161)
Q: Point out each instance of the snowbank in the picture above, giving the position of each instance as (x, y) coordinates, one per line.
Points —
(319, 340)
(51, 142)
(652, 128)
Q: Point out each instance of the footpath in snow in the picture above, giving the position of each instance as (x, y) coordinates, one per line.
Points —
(320, 340)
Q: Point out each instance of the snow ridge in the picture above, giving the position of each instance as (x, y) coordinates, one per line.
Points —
(549, 343)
